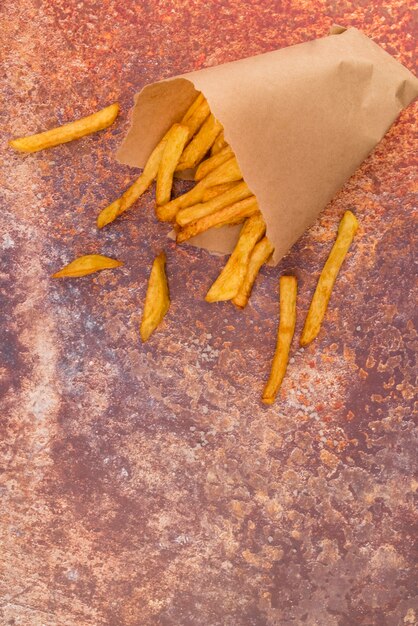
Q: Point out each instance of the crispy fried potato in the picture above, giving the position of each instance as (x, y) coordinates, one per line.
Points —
(87, 264)
(216, 190)
(195, 212)
(63, 134)
(210, 164)
(260, 255)
(346, 231)
(157, 300)
(196, 115)
(193, 107)
(287, 323)
(225, 173)
(173, 149)
(119, 206)
(200, 144)
(232, 214)
(218, 144)
(227, 284)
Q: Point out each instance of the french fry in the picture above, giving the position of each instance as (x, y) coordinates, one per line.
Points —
(218, 144)
(196, 115)
(227, 284)
(346, 231)
(193, 107)
(225, 173)
(213, 162)
(287, 323)
(157, 299)
(232, 214)
(149, 173)
(216, 190)
(261, 253)
(68, 132)
(195, 212)
(200, 144)
(173, 148)
(87, 264)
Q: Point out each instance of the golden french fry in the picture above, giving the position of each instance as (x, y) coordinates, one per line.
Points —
(87, 264)
(213, 162)
(157, 300)
(261, 253)
(232, 214)
(287, 323)
(63, 134)
(197, 211)
(227, 284)
(200, 144)
(193, 107)
(216, 190)
(119, 206)
(196, 115)
(174, 145)
(346, 231)
(225, 173)
(218, 144)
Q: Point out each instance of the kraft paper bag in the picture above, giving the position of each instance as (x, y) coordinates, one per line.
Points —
(300, 120)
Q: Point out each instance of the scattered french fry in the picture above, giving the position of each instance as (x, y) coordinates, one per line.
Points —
(260, 255)
(210, 164)
(142, 183)
(157, 299)
(225, 173)
(173, 149)
(218, 144)
(227, 284)
(198, 112)
(68, 132)
(197, 211)
(87, 264)
(346, 231)
(287, 323)
(232, 214)
(216, 190)
(200, 144)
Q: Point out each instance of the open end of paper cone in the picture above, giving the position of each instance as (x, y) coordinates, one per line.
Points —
(300, 121)
(157, 107)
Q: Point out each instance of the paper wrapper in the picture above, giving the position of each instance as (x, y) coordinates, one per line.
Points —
(300, 121)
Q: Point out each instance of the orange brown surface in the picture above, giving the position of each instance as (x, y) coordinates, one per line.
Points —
(146, 484)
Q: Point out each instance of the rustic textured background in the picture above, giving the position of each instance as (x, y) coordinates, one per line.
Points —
(146, 485)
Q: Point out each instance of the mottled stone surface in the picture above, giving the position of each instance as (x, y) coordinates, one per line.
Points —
(147, 485)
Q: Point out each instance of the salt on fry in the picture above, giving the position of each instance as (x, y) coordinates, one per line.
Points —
(287, 323)
(173, 149)
(227, 284)
(225, 173)
(200, 144)
(216, 190)
(135, 191)
(87, 264)
(346, 231)
(210, 164)
(260, 255)
(218, 144)
(157, 299)
(232, 214)
(68, 132)
(197, 211)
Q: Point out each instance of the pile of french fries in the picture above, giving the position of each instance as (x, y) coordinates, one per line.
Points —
(220, 197)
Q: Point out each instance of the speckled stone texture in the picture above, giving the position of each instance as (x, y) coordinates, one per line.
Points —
(146, 484)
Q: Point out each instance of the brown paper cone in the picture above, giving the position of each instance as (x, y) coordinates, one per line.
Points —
(300, 120)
